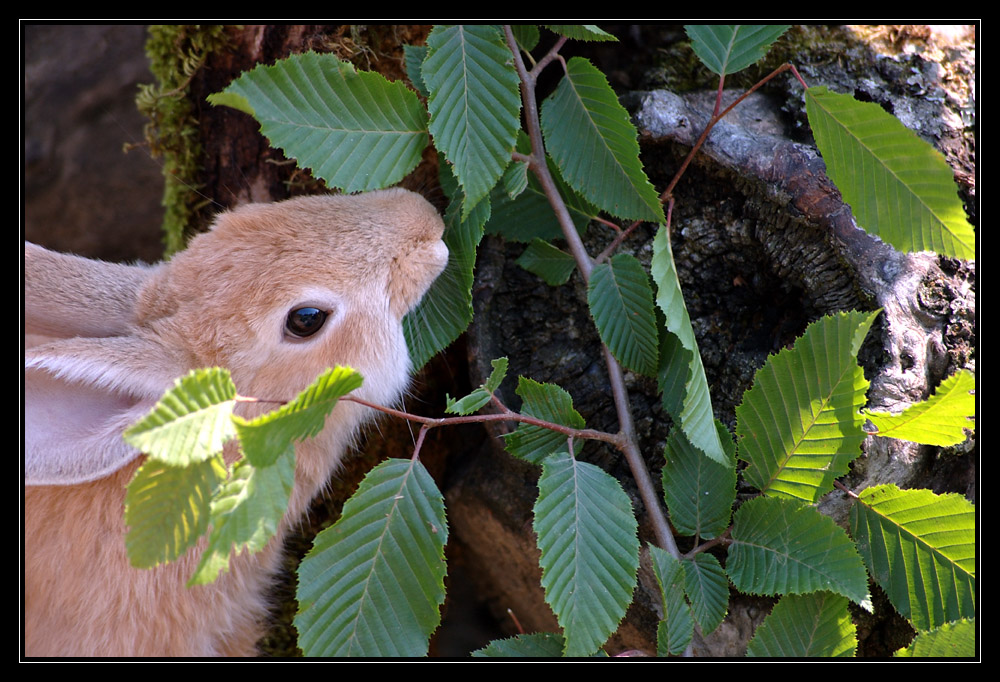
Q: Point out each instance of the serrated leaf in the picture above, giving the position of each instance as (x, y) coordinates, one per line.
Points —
(951, 640)
(413, 60)
(621, 303)
(530, 216)
(191, 421)
(799, 425)
(535, 645)
(268, 436)
(728, 48)
(552, 404)
(781, 546)
(899, 187)
(806, 626)
(474, 104)
(355, 130)
(526, 35)
(581, 32)
(445, 311)
(921, 549)
(939, 420)
(593, 141)
(707, 587)
(553, 265)
(515, 179)
(481, 395)
(676, 628)
(373, 583)
(681, 364)
(246, 512)
(699, 492)
(589, 550)
(167, 509)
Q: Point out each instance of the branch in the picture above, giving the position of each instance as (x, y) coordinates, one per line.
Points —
(629, 446)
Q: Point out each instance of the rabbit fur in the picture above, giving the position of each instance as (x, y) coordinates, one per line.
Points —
(104, 342)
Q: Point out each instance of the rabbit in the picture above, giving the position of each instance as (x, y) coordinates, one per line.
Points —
(276, 293)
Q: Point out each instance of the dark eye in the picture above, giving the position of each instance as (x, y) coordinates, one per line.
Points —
(303, 322)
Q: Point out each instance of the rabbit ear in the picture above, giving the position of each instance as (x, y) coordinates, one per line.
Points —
(66, 296)
(80, 394)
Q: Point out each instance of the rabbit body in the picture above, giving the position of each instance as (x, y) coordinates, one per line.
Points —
(112, 338)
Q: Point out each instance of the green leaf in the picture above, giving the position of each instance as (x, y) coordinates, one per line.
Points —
(355, 130)
(939, 420)
(551, 264)
(167, 508)
(268, 436)
(530, 215)
(591, 138)
(681, 364)
(413, 60)
(951, 640)
(526, 35)
(676, 628)
(699, 491)
(445, 311)
(621, 303)
(799, 425)
(549, 403)
(246, 512)
(515, 179)
(373, 583)
(536, 645)
(474, 104)
(728, 48)
(479, 397)
(232, 100)
(814, 625)
(784, 547)
(899, 187)
(589, 550)
(707, 587)
(921, 549)
(191, 422)
(581, 32)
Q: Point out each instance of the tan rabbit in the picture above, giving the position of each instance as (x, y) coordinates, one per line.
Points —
(276, 293)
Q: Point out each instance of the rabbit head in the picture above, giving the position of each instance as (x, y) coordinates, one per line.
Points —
(275, 293)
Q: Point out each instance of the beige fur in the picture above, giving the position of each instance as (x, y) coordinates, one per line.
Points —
(123, 333)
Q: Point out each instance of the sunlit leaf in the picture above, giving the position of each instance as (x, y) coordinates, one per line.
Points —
(899, 187)
(921, 549)
(951, 640)
(192, 420)
(799, 425)
(939, 420)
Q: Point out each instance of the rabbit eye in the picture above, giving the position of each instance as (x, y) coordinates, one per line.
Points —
(303, 322)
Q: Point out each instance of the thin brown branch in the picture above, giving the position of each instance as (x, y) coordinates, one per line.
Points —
(629, 445)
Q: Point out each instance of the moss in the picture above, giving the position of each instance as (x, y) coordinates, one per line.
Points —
(176, 53)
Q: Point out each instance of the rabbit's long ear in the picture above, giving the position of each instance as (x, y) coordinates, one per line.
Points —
(80, 394)
(66, 296)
